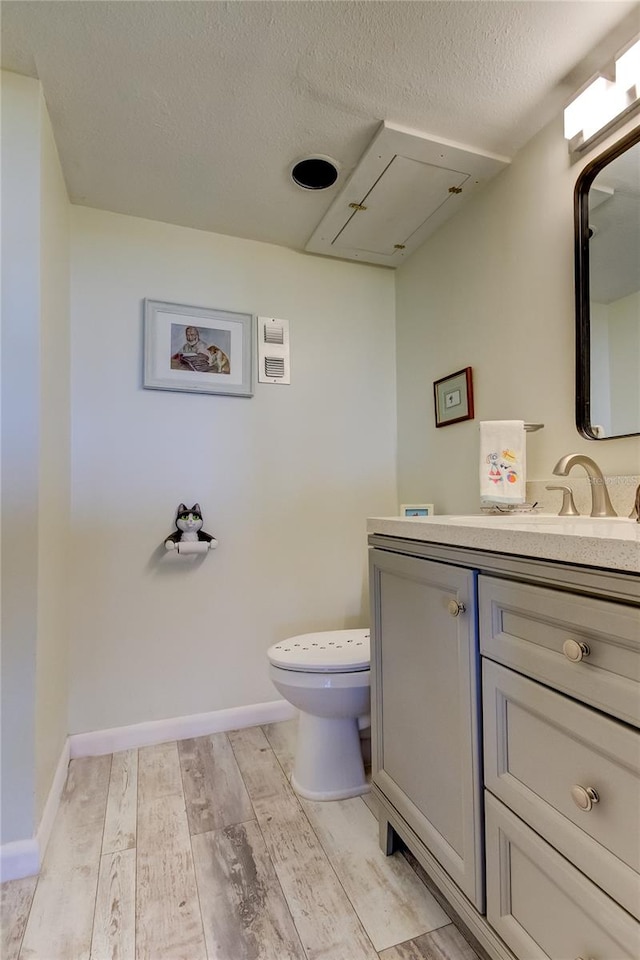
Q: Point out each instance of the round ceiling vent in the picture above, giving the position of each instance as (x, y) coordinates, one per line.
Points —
(315, 173)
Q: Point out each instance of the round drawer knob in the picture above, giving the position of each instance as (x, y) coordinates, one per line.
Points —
(455, 608)
(575, 650)
(584, 797)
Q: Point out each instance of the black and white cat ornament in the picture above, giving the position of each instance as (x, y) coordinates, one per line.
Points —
(189, 536)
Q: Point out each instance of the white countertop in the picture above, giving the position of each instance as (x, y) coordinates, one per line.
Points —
(611, 544)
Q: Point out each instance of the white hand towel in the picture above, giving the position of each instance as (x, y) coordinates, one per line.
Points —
(502, 461)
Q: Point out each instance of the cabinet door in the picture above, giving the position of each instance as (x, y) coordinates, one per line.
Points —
(424, 684)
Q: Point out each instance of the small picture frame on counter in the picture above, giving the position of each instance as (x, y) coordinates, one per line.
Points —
(416, 510)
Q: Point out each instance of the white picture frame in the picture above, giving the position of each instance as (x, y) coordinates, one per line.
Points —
(197, 349)
(416, 510)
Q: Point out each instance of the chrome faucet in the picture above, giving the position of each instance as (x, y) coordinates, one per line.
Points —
(601, 505)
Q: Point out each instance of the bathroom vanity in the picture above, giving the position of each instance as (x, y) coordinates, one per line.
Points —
(505, 681)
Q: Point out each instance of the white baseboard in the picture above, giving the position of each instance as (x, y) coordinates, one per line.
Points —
(23, 858)
(19, 859)
(99, 742)
(53, 800)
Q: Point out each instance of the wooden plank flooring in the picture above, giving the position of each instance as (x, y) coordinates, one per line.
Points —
(214, 790)
(201, 851)
(16, 898)
(122, 803)
(115, 917)
(233, 864)
(61, 919)
(382, 889)
(446, 943)
(168, 920)
(325, 918)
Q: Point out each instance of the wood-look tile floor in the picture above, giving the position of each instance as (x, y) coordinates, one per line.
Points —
(200, 850)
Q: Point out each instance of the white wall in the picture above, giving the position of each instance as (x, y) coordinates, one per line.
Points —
(493, 290)
(286, 479)
(35, 456)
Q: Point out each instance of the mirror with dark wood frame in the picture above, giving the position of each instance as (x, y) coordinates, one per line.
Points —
(607, 254)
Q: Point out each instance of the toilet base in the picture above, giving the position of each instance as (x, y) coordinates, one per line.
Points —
(328, 764)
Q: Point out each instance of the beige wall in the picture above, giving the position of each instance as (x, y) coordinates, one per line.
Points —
(54, 589)
(494, 290)
(286, 479)
(35, 457)
(600, 367)
(624, 357)
(20, 437)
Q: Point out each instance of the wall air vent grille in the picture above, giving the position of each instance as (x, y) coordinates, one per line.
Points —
(273, 351)
(274, 333)
(274, 367)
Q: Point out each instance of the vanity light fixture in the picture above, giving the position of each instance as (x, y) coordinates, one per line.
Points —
(604, 103)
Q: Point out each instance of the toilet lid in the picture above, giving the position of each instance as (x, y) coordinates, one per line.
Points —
(332, 651)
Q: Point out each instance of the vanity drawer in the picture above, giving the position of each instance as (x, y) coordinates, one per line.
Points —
(541, 906)
(539, 746)
(535, 630)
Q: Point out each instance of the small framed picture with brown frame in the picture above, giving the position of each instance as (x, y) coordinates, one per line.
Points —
(453, 397)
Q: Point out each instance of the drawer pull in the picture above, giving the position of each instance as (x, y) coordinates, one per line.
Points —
(575, 650)
(584, 797)
(455, 608)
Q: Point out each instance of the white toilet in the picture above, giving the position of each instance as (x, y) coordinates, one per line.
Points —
(326, 676)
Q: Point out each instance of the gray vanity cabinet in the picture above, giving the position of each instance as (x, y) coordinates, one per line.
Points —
(425, 679)
(556, 873)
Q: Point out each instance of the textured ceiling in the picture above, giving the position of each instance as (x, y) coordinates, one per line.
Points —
(193, 112)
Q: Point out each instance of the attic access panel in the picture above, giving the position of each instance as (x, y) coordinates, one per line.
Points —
(396, 206)
(403, 189)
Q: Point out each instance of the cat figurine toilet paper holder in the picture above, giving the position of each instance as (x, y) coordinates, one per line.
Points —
(189, 537)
